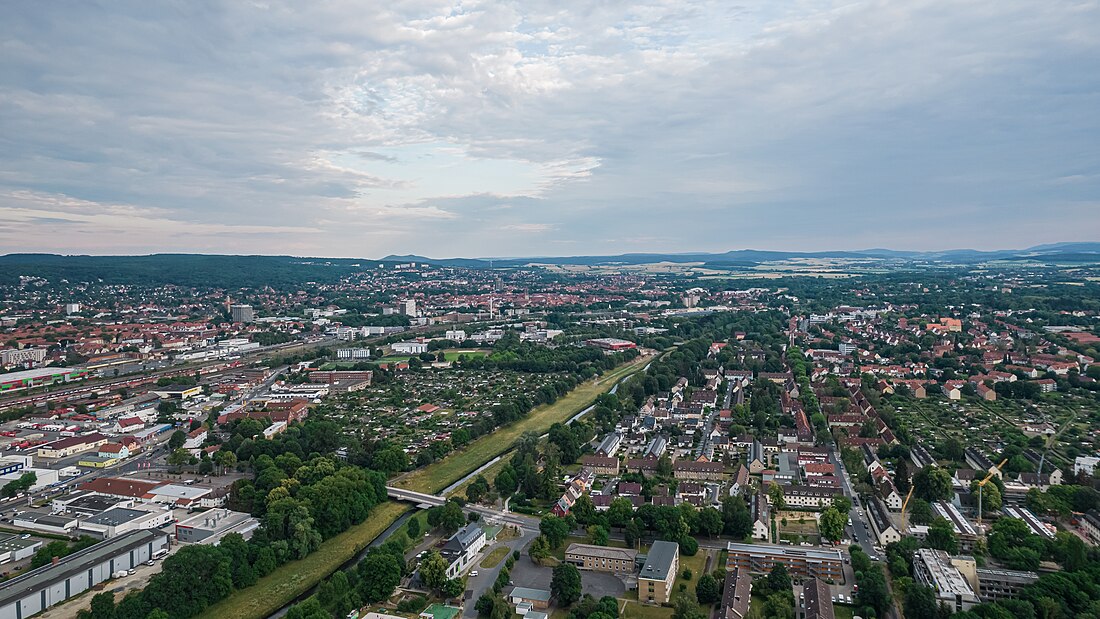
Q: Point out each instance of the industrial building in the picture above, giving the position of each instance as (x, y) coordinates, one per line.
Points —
(210, 527)
(37, 590)
(27, 379)
(15, 548)
(801, 562)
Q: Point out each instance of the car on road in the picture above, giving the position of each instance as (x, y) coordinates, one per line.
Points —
(473, 574)
(131, 572)
(150, 562)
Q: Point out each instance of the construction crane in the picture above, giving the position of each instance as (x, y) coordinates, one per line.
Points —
(982, 484)
(904, 505)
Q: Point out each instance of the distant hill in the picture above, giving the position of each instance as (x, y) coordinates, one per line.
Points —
(180, 269)
(752, 257)
(232, 272)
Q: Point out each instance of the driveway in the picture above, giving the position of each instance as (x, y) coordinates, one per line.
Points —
(477, 585)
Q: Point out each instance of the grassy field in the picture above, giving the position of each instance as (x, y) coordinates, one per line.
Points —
(453, 354)
(297, 577)
(439, 475)
(696, 564)
(636, 610)
(494, 557)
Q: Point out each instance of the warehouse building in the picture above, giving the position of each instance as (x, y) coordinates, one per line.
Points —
(211, 526)
(934, 569)
(39, 589)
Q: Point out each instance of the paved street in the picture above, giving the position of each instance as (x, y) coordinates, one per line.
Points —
(860, 531)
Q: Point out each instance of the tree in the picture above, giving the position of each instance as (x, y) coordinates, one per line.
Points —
(779, 606)
(684, 608)
(941, 535)
(555, 530)
(453, 588)
(710, 522)
(620, 512)
(102, 607)
(178, 438)
(707, 590)
(179, 457)
(24, 483)
(597, 535)
(565, 584)
(933, 484)
(842, 504)
(776, 494)
(433, 570)
(920, 603)
(191, 580)
(451, 517)
(540, 550)
(991, 496)
(379, 575)
(872, 590)
(832, 524)
(920, 511)
(779, 579)
(632, 534)
(413, 527)
(309, 609)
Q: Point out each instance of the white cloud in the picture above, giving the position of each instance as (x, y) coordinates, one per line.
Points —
(664, 125)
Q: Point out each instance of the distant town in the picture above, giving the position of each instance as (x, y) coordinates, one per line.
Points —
(811, 438)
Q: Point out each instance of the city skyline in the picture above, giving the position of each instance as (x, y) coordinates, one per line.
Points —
(537, 129)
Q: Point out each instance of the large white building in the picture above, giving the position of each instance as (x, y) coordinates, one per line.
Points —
(409, 348)
(1085, 464)
(462, 548)
(934, 568)
(16, 356)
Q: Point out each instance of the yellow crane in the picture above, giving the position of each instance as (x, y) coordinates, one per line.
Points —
(982, 484)
(904, 505)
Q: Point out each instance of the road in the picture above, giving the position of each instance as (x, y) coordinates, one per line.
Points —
(860, 531)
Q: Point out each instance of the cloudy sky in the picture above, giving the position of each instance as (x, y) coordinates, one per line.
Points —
(547, 127)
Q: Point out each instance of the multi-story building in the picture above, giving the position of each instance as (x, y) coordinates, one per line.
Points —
(353, 353)
(736, 595)
(659, 572)
(998, 584)
(242, 313)
(460, 550)
(934, 569)
(692, 469)
(16, 356)
(801, 562)
(601, 465)
(72, 445)
(817, 602)
(601, 558)
(883, 525)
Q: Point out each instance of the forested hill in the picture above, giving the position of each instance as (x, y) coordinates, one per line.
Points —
(179, 269)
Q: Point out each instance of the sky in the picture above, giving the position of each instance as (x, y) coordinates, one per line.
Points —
(547, 127)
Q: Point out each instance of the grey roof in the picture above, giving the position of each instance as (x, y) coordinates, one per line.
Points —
(659, 561)
(526, 593)
(116, 516)
(15, 542)
(46, 519)
(76, 563)
(813, 553)
(601, 552)
(736, 596)
(463, 539)
(819, 603)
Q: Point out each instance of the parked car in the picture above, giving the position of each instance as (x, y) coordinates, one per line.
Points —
(473, 574)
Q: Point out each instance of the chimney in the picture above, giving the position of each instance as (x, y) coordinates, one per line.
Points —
(55, 560)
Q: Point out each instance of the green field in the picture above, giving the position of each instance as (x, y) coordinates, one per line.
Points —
(440, 474)
(494, 557)
(636, 610)
(297, 577)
